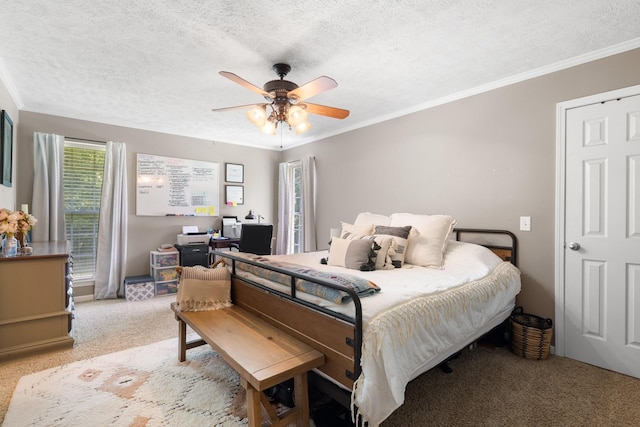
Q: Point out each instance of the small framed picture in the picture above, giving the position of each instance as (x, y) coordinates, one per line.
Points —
(234, 172)
(234, 194)
(6, 149)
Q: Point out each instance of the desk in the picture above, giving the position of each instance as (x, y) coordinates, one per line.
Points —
(220, 244)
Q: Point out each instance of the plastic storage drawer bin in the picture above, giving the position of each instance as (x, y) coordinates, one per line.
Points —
(164, 274)
(167, 288)
(164, 259)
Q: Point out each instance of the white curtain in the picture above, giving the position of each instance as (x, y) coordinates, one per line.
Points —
(47, 204)
(284, 212)
(285, 197)
(309, 204)
(112, 227)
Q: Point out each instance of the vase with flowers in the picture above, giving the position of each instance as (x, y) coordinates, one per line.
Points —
(12, 224)
(25, 224)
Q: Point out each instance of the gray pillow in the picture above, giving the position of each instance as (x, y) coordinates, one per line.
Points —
(349, 253)
(401, 237)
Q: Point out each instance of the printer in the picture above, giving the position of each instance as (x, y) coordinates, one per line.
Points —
(231, 227)
(191, 236)
(193, 239)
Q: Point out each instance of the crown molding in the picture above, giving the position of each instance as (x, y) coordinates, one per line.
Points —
(11, 88)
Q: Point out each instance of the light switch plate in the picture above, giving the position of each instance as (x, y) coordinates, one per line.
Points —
(525, 223)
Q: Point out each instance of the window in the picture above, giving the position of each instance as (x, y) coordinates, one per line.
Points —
(296, 210)
(293, 238)
(82, 182)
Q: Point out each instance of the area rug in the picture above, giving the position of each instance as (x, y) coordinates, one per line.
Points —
(143, 386)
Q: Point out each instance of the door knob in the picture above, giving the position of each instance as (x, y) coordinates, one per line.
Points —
(574, 246)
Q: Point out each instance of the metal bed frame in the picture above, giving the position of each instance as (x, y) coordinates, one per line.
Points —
(272, 305)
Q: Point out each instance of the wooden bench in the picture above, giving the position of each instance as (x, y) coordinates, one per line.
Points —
(263, 355)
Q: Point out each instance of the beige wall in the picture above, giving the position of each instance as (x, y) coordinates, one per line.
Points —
(487, 160)
(8, 194)
(147, 233)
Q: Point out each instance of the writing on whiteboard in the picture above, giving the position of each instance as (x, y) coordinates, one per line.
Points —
(173, 186)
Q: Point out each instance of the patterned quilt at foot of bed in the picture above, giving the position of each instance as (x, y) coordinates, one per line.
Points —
(362, 287)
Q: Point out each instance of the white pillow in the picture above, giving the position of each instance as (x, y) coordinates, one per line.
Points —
(428, 247)
(368, 218)
(348, 229)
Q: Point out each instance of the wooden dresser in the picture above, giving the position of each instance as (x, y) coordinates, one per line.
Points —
(36, 300)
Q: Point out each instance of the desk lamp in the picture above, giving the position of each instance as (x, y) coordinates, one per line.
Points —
(251, 216)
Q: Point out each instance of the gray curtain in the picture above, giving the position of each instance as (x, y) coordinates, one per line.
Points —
(285, 200)
(309, 204)
(282, 233)
(112, 227)
(48, 196)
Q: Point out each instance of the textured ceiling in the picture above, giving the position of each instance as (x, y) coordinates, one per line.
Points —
(153, 64)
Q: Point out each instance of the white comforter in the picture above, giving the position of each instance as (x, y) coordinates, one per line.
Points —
(419, 314)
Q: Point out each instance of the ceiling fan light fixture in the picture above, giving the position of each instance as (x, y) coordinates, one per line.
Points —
(296, 115)
(269, 127)
(303, 127)
(258, 115)
(294, 99)
(286, 102)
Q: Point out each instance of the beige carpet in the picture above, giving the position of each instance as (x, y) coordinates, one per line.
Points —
(489, 387)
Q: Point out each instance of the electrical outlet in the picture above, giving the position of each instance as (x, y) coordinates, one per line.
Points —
(525, 223)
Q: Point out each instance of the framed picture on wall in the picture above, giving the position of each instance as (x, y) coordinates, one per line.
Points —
(234, 172)
(6, 148)
(234, 194)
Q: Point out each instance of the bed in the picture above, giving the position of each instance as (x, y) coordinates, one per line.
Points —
(420, 315)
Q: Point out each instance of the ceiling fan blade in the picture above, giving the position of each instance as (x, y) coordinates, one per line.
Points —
(323, 110)
(237, 107)
(314, 87)
(242, 82)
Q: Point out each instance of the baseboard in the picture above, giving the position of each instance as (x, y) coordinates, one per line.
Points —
(83, 298)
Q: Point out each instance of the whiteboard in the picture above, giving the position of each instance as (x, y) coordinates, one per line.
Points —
(167, 186)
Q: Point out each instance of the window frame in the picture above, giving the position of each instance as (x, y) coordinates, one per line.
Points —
(85, 280)
(296, 225)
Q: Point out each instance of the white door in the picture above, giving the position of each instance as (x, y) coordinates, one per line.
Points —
(602, 235)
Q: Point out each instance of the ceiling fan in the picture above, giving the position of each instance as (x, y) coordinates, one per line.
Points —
(285, 101)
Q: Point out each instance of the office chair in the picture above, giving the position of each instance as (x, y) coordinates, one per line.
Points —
(255, 239)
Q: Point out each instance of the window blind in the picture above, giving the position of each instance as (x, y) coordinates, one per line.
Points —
(83, 172)
(296, 208)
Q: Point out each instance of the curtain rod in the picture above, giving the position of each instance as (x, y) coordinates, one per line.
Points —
(84, 139)
(299, 160)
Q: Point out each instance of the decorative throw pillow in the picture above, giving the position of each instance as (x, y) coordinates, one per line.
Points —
(383, 249)
(368, 218)
(428, 248)
(203, 288)
(400, 235)
(349, 253)
(349, 229)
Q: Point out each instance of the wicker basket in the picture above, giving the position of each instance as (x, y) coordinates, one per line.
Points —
(530, 335)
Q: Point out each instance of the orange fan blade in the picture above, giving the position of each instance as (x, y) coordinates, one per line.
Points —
(238, 107)
(314, 87)
(242, 82)
(323, 110)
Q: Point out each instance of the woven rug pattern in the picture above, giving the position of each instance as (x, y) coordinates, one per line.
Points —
(142, 386)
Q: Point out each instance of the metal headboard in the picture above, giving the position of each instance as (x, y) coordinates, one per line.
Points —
(506, 252)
